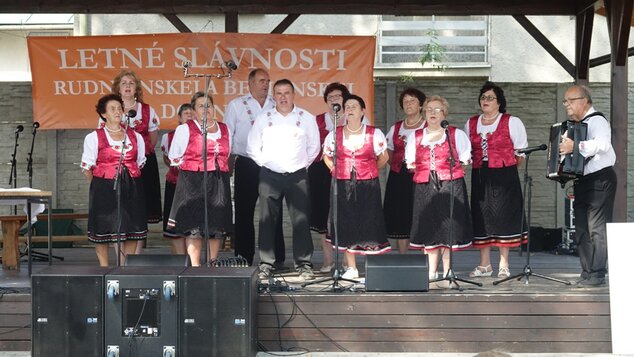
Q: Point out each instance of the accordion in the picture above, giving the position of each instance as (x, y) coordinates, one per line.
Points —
(563, 168)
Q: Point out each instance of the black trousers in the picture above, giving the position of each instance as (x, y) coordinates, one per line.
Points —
(594, 203)
(246, 180)
(274, 187)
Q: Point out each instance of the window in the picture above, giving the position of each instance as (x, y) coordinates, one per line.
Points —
(436, 39)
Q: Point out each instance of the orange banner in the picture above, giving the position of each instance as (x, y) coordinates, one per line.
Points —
(71, 73)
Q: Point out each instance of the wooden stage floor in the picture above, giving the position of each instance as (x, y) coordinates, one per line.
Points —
(539, 317)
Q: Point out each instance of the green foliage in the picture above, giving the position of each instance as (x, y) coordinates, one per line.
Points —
(434, 52)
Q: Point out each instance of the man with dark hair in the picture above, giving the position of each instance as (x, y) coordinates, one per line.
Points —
(595, 190)
(284, 141)
(240, 115)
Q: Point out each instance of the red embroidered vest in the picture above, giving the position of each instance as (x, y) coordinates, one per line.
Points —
(143, 128)
(363, 160)
(441, 153)
(108, 157)
(172, 171)
(399, 148)
(323, 132)
(192, 159)
(500, 151)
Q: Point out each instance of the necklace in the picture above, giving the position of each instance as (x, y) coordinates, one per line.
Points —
(420, 117)
(113, 130)
(209, 126)
(354, 131)
(491, 118)
(434, 131)
(130, 106)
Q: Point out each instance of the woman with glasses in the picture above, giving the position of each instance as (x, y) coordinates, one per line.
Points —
(319, 174)
(185, 113)
(397, 205)
(187, 217)
(496, 195)
(360, 155)
(436, 184)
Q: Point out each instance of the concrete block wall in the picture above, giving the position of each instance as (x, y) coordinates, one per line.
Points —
(57, 153)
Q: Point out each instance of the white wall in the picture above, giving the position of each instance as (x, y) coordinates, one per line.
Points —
(517, 57)
(514, 55)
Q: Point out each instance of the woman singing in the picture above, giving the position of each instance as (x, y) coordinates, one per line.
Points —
(318, 173)
(185, 113)
(187, 216)
(102, 152)
(397, 205)
(360, 155)
(435, 229)
(145, 122)
(496, 196)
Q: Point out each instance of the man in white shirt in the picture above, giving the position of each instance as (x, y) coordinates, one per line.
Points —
(595, 190)
(239, 116)
(284, 141)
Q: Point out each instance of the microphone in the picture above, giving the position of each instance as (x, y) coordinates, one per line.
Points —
(231, 65)
(130, 114)
(530, 149)
(336, 107)
(444, 124)
(35, 126)
(186, 66)
(19, 129)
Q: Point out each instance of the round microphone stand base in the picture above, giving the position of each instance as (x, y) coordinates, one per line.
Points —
(527, 272)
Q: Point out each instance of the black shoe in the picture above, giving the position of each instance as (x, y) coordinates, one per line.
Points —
(279, 267)
(592, 281)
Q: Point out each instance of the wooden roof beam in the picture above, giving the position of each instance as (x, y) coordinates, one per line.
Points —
(177, 22)
(286, 23)
(546, 44)
(583, 39)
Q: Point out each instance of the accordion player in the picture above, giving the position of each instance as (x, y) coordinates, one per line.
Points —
(563, 168)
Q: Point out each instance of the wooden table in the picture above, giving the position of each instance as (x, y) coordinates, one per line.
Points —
(11, 226)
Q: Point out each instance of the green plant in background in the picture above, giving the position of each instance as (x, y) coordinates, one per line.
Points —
(434, 52)
(407, 78)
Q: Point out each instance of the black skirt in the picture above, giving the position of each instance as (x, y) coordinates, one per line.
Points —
(431, 223)
(360, 224)
(398, 203)
(187, 214)
(496, 206)
(152, 188)
(319, 180)
(103, 223)
(167, 208)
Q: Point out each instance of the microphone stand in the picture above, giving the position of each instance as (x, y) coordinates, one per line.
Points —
(32, 254)
(451, 276)
(230, 67)
(13, 175)
(336, 274)
(528, 271)
(117, 187)
(29, 160)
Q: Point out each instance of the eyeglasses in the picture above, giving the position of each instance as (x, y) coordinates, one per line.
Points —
(433, 110)
(127, 83)
(570, 100)
(488, 98)
(334, 97)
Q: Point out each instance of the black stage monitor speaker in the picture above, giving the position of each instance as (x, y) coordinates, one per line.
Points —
(152, 260)
(396, 272)
(141, 308)
(67, 311)
(218, 312)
